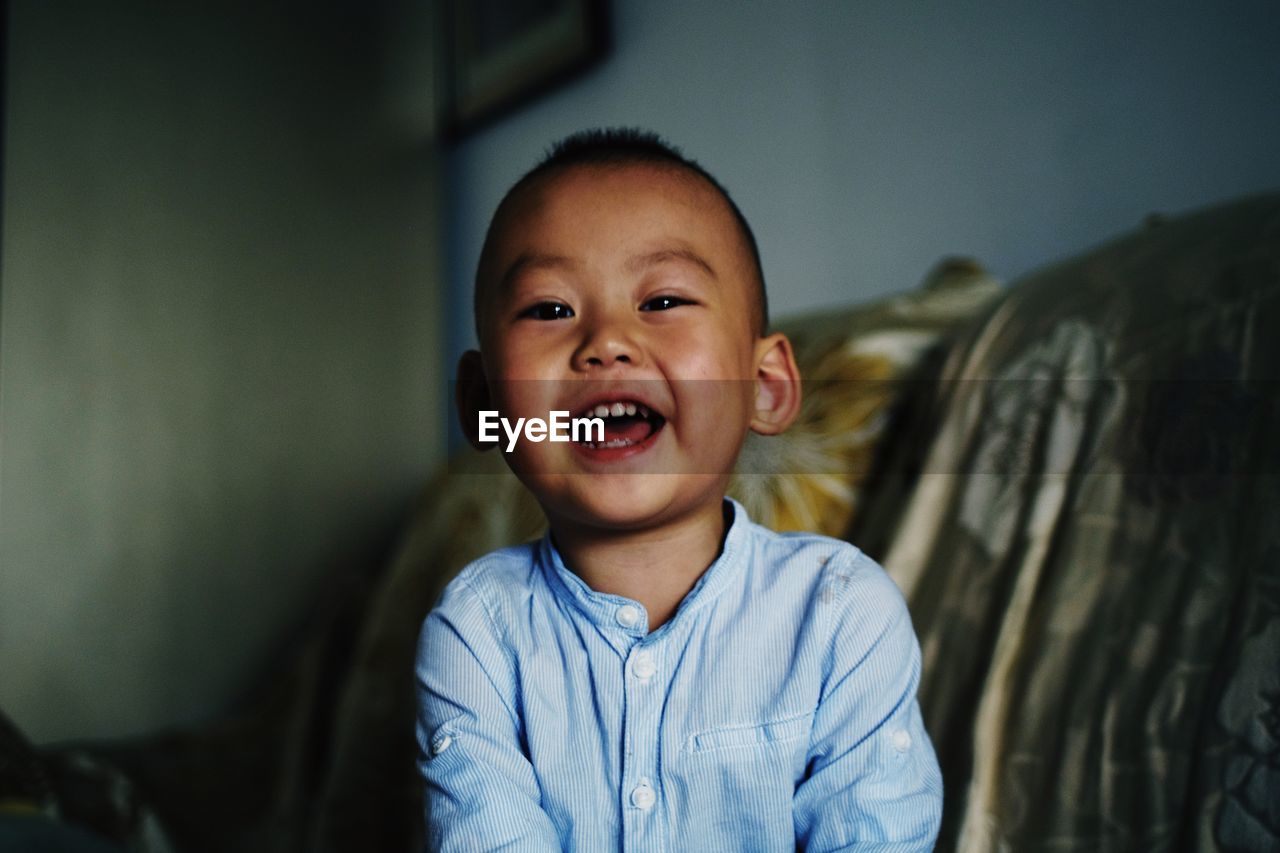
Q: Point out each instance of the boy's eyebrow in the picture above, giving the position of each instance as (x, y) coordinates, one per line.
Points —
(536, 261)
(533, 261)
(640, 262)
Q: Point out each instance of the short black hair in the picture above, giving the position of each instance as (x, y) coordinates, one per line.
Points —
(625, 146)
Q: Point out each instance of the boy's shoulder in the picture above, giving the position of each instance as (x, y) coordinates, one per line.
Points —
(495, 581)
(824, 555)
(834, 570)
(777, 545)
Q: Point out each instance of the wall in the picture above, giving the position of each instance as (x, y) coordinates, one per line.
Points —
(864, 140)
(219, 340)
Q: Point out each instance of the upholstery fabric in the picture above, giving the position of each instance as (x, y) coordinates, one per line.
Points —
(1085, 530)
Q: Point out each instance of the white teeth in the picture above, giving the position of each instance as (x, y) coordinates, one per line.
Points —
(618, 409)
(610, 444)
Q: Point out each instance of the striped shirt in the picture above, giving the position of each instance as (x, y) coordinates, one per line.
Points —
(776, 710)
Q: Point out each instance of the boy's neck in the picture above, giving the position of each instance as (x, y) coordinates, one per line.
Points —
(656, 568)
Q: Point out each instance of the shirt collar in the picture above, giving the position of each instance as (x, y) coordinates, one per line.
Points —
(608, 611)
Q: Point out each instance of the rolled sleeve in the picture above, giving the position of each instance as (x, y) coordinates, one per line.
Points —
(481, 791)
(872, 779)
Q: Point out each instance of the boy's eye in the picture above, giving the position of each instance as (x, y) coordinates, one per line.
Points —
(548, 311)
(664, 303)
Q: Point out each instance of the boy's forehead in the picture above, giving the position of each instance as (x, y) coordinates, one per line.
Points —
(618, 184)
(571, 195)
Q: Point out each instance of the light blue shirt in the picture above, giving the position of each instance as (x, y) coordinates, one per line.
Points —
(775, 710)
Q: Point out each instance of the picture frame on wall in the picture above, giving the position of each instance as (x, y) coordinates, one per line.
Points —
(500, 54)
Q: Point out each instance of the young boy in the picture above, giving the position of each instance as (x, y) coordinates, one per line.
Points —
(657, 673)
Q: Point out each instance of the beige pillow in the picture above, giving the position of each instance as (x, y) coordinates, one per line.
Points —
(854, 363)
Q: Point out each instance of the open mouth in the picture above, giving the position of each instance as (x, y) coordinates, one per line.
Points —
(627, 423)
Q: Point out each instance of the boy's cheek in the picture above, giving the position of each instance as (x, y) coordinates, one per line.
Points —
(509, 361)
(523, 398)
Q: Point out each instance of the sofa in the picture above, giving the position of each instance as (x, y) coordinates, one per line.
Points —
(1073, 479)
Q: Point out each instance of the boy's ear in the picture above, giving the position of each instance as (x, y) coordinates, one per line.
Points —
(471, 393)
(777, 385)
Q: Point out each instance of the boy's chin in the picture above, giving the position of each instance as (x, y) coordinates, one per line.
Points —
(635, 501)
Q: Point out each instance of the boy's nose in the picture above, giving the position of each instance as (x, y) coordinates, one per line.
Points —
(604, 347)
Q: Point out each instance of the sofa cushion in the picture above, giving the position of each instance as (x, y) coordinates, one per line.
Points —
(1084, 524)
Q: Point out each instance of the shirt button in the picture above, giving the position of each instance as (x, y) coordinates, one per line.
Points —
(902, 740)
(442, 744)
(643, 797)
(643, 667)
(627, 616)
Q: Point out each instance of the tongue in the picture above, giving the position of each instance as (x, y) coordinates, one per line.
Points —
(629, 429)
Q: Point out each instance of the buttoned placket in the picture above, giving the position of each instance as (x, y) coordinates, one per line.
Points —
(644, 685)
(645, 668)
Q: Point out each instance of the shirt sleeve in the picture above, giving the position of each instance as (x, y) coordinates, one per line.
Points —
(481, 792)
(872, 779)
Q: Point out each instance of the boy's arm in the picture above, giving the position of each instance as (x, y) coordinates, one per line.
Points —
(481, 793)
(872, 781)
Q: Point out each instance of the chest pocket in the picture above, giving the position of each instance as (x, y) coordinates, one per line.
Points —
(743, 778)
(756, 738)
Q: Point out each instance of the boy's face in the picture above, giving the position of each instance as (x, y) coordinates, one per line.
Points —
(625, 286)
